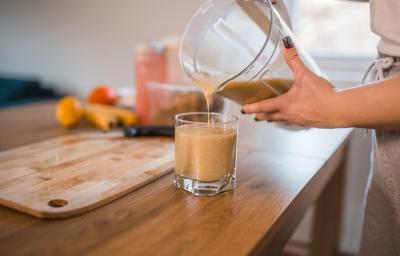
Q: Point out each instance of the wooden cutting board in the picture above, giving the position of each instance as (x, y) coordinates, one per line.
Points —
(70, 175)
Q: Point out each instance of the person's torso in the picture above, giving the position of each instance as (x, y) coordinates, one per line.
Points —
(385, 22)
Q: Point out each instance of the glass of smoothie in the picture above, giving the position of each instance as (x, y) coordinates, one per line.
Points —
(205, 152)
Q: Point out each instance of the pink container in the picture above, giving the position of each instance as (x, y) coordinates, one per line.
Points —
(150, 65)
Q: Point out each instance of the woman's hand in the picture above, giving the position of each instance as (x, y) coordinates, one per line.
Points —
(309, 103)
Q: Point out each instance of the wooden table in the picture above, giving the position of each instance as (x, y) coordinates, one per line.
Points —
(280, 175)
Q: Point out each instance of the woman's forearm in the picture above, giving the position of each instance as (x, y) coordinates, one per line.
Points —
(312, 101)
(376, 105)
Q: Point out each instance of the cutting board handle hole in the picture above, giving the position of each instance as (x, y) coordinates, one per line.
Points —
(57, 203)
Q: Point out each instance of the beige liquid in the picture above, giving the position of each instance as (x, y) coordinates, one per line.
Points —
(205, 152)
(208, 88)
(246, 92)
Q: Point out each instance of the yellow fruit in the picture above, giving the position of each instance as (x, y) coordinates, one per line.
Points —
(102, 120)
(69, 111)
(123, 116)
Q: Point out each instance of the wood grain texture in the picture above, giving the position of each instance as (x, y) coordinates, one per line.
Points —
(23, 125)
(328, 213)
(289, 220)
(280, 173)
(69, 175)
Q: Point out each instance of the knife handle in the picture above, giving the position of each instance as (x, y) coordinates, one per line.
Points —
(145, 130)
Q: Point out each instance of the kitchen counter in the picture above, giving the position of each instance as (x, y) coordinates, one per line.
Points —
(280, 175)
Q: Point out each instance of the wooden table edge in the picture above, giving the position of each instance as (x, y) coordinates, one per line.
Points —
(275, 240)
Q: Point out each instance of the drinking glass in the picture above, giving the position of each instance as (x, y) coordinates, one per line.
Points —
(205, 152)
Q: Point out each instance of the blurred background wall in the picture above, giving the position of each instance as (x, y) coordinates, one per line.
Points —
(76, 44)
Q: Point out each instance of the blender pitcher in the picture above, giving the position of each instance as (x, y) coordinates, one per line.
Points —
(233, 47)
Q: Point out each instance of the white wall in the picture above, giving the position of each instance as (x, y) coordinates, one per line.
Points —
(75, 44)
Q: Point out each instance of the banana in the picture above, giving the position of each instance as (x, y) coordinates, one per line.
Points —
(102, 120)
(121, 115)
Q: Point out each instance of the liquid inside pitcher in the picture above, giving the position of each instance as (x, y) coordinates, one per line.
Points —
(233, 48)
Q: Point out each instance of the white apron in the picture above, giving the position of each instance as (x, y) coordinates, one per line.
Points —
(381, 233)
